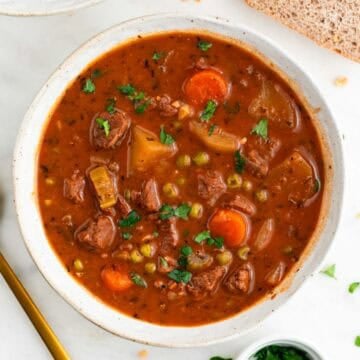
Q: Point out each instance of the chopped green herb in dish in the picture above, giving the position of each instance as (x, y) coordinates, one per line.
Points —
(330, 271)
(239, 162)
(165, 138)
(204, 45)
(209, 111)
(261, 129)
(138, 98)
(219, 358)
(138, 280)
(130, 220)
(96, 73)
(167, 211)
(280, 352)
(180, 276)
(89, 86)
(211, 241)
(158, 55)
(110, 105)
(104, 124)
(126, 235)
(211, 129)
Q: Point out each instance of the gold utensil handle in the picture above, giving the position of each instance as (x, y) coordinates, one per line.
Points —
(34, 314)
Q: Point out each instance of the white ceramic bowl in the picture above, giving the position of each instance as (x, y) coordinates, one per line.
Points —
(42, 7)
(25, 159)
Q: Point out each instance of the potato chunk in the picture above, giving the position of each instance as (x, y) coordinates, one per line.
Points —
(219, 140)
(146, 149)
(276, 105)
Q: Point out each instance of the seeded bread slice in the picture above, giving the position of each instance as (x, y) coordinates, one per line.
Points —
(334, 24)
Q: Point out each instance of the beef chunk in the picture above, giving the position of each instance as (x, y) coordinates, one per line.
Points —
(206, 282)
(210, 186)
(168, 235)
(242, 279)
(242, 203)
(119, 123)
(149, 198)
(123, 206)
(257, 164)
(164, 104)
(97, 234)
(74, 187)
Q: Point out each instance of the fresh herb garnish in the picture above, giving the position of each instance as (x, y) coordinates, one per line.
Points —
(220, 358)
(130, 220)
(186, 250)
(104, 125)
(353, 286)
(138, 98)
(209, 110)
(261, 129)
(211, 129)
(126, 235)
(163, 262)
(158, 55)
(140, 108)
(211, 241)
(204, 45)
(330, 271)
(96, 73)
(279, 352)
(167, 211)
(127, 89)
(138, 280)
(110, 105)
(165, 138)
(180, 276)
(240, 162)
(89, 86)
(317, 185)
(357, 341)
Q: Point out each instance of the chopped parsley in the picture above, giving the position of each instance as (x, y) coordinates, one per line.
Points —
(317, 185)
(218, 242)
(130, 220)
(357, 341)
(330, 271)
(240, 162)
(280, 352)
(89, 86)
(110, 105)
(96, 73)
(186, 250)
(180, 276)
(163, 262)
(126, 235)
(138, 280)
(353, 287)
(261, 129)
(127, 89)
(220, 358)
(167, 211)
(209, 111)
(165, 138)
(211, 129)
(138, 98)
(157, 55)
(204, 45)
(140, 108)
(104, 125)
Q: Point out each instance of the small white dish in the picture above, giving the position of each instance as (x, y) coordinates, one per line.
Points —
(304, 345)
(42, 7)
(25, 183)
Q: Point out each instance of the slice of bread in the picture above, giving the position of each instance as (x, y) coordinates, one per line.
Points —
(334, 24)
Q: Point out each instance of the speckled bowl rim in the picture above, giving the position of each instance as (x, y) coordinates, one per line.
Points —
(30, 221)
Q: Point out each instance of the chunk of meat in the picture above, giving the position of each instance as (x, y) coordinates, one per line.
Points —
(97, 234)
(210, 186)
(294, 179)
(257, 164)
(265, 235)
(123, 206)
(242, 279)
(242, 203)
(168, 235)
(207, 282)
(164, 104)
(267, 148)
(276, 105)
(149, 198)
(119, 124)
(276, 274)
(74, 187)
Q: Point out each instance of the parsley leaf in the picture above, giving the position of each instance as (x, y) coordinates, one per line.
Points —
(204, 45)
(180, 276)
(261, 129)
(186, 250)
(211, 129)
(165, 138)
(357, 341)
(96, 73)
(166, 212)
(182, 211)
(138, 98)
(330, 271)
(209, 110)
(110, 105)
(89, 86)
(280, 352)
(219, 358)
(157, 55)
(140, 108)
(353, 286)
(138, 280)
(218, 242)
(240, 162)
(130, 220)
(126, 235)
(200, 237)
(103, 124)
(127, 89)
(163, 262)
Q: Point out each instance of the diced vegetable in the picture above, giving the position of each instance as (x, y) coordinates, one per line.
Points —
(206, 85)
(198, 261)
(115, 278)
(219, 140)
(150, 267)
(243, 252)
(224, 258)
(183, 161)
(196, 211)
(170, 190)
(229, 224)
(148, 250)
(247, 185)
(136, 257)
(147, 150)
(104, 186)
(234, 181)
(181, 180)
(185, 111)
(201, 158)
(78, 265)
(276, 105)
(265, 235)
(262, 195)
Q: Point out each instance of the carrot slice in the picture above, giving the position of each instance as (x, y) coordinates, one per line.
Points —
(115, 278)
(231, 225)
(206, 85)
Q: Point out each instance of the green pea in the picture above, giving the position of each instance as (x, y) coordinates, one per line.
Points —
(234, 181)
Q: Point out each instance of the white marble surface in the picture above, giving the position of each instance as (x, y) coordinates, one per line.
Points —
(322, 311)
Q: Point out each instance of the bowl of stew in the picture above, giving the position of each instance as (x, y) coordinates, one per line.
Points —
(175, 179)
